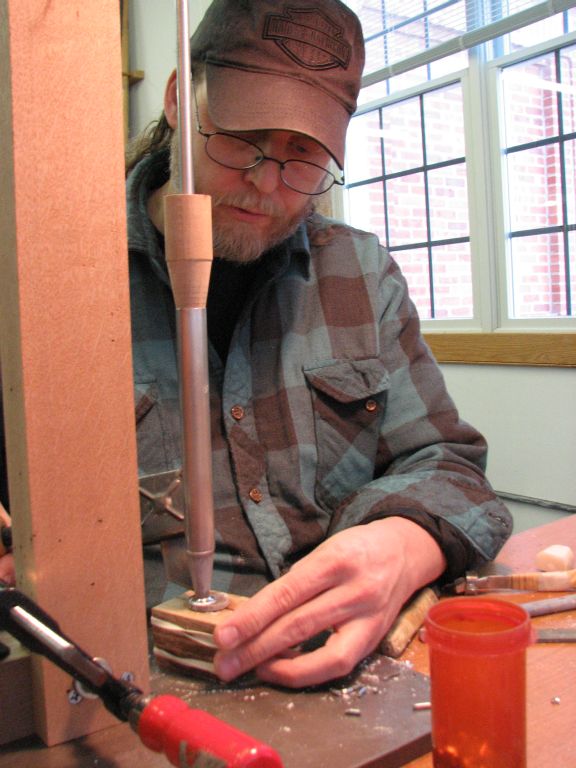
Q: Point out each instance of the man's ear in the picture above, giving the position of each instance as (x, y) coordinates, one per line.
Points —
(171, 101)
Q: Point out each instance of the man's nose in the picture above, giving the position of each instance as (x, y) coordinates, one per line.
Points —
(265, 176)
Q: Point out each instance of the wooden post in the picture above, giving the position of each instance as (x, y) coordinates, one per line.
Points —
(65, 342)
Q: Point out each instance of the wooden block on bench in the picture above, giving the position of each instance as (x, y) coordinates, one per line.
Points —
(184, 638)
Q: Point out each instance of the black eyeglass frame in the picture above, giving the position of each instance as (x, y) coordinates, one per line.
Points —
(207, 135)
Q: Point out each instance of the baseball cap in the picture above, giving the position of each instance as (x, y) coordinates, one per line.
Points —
(291, 66)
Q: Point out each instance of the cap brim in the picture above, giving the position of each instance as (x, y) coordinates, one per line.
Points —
(249, 101)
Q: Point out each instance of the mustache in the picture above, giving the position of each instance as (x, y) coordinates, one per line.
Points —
(250, 201)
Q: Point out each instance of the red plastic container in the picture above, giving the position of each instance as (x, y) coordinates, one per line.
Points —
(477, 652)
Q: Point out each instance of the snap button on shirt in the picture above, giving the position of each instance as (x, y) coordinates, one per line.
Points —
(370, 405)
(237, 412)
(256, 495)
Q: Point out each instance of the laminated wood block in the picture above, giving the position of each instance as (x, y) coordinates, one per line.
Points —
(183, 638)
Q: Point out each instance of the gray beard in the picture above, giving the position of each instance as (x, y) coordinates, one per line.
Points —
(242, 249)
(241, 244)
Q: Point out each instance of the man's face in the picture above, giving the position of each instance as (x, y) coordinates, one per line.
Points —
(252, 209)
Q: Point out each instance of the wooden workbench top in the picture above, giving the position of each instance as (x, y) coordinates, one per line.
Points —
(551, 675)
(551, 667)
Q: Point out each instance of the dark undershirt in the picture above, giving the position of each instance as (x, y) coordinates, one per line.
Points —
(230, 284)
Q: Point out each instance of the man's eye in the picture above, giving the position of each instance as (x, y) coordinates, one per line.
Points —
(303, 149)
(300, 149)
(310, 151)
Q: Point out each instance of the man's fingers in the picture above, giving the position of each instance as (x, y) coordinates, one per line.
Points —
(278, 599)
(7, 570)
(333, 564)
(288, 630)
(4, 516)
(344, 649)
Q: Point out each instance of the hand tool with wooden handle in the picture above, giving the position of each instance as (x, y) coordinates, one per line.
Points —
(551, 581)
(408, 622)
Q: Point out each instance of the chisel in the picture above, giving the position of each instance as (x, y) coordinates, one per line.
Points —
(536, 581)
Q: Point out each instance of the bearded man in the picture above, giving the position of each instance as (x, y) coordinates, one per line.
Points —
(344, 479)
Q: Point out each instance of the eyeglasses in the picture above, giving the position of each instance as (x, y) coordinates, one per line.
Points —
(240, 154)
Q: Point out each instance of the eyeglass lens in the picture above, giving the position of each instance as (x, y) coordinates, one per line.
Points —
(240, 154)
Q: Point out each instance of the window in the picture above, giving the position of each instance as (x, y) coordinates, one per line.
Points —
(410, 189)
(539, 141)
(465, 166)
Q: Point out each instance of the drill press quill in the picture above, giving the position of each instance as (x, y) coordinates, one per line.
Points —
(188, 228)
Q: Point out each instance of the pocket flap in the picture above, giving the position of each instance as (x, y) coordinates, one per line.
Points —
(349, 380)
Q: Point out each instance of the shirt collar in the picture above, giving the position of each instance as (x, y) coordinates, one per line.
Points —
(149, 174)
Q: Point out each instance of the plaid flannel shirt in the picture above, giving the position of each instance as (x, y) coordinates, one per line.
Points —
(328, 412)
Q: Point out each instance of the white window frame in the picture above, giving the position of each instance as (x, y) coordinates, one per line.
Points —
(483, 126)
(495, 130)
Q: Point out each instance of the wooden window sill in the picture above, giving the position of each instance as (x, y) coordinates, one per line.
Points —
(543, 349)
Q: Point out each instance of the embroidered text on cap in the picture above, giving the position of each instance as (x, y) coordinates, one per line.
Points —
(309, 37)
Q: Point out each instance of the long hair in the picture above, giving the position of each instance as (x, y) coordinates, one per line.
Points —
(156, 136)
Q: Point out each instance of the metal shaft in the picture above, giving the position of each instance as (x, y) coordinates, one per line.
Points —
(189, 257)
(186, 166)
(197, 453)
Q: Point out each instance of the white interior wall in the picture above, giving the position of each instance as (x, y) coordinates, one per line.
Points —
(528, 415)
(153, 49)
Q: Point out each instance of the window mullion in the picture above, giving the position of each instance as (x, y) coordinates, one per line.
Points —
(562, 151)
(484, 193)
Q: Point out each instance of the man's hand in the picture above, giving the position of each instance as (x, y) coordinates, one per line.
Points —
(7, 571)
(353, 584)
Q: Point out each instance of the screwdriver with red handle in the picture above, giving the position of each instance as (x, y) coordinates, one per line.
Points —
(188, 737)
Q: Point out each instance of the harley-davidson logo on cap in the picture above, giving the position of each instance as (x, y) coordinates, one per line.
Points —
(309, 37)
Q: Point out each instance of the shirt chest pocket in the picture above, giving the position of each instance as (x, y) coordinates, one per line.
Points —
(349, 404)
